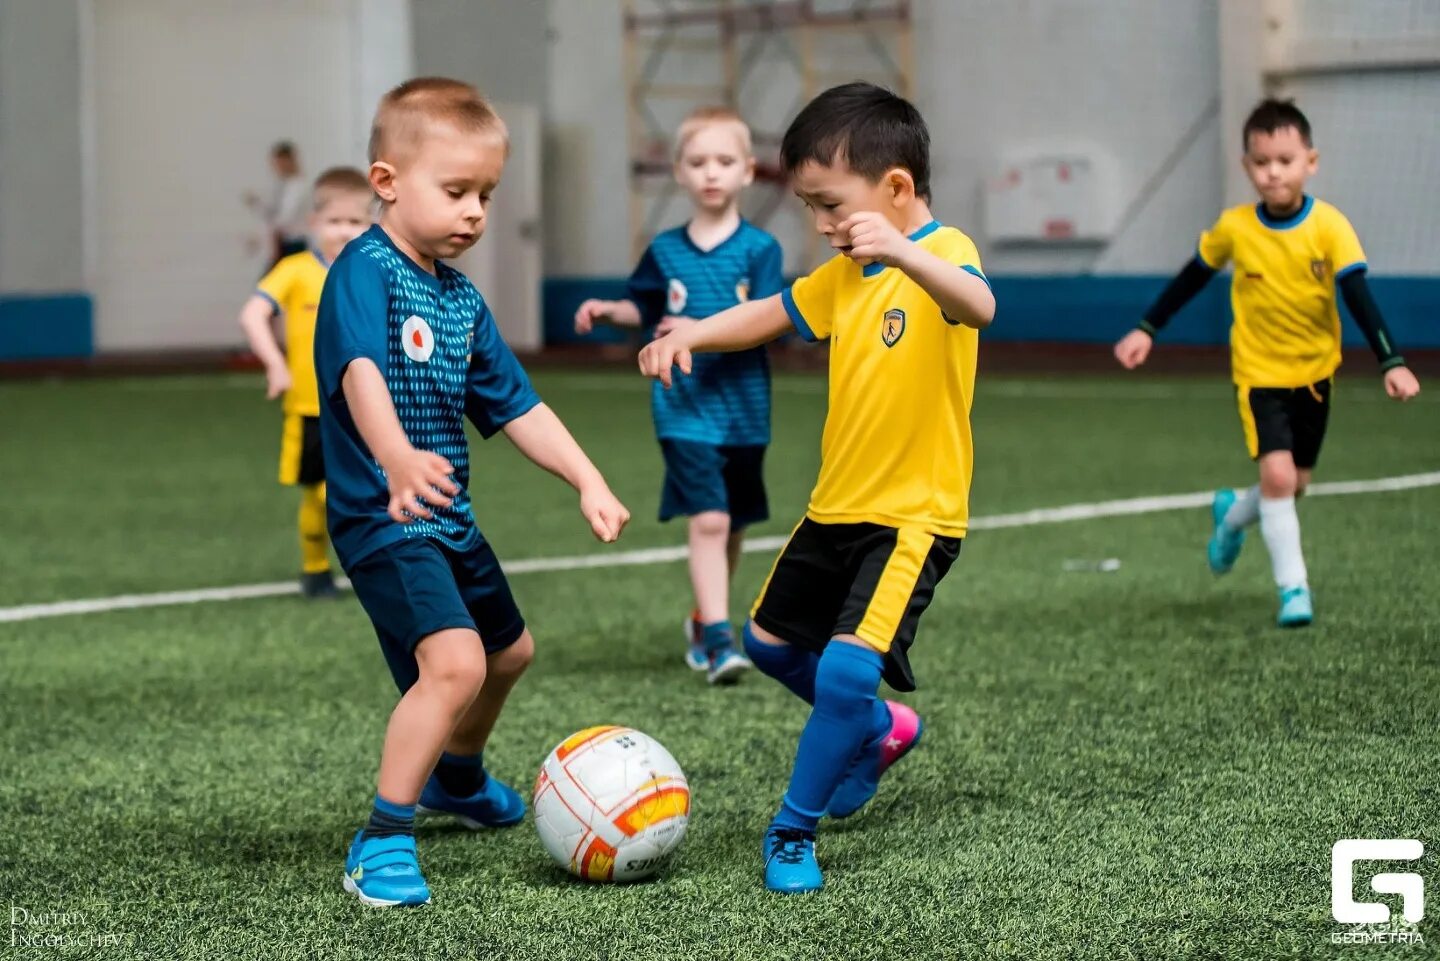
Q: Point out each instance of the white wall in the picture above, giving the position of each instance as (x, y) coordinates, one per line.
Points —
(1378, 133)
(587, 226)
(172, 158)
(500, 46)
(1123, 78)
(41, 220)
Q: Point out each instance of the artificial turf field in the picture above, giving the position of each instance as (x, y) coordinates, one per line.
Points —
(1117, 765)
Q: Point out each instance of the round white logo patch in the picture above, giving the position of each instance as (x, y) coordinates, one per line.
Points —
(418, 340)
(676, 296)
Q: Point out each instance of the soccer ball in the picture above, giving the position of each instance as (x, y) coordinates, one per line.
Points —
(611, 804)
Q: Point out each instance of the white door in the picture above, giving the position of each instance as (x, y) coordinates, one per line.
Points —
(184, 102)
(506, 263)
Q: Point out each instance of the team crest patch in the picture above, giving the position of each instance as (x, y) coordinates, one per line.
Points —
(676, 297)
(894, 327)
(418, 340)
(1320, 269)
(742, 291)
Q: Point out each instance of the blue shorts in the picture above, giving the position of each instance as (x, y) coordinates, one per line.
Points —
(415, 587)
(708, 477)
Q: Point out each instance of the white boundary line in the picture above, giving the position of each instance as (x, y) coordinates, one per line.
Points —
(1003, 386)
(665, 555)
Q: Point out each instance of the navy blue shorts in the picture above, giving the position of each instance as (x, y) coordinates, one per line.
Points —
(707, 477)
(415, 587)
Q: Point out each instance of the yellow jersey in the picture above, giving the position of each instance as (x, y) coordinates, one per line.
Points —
(897, 447)
(293, 287)
(1287, 329)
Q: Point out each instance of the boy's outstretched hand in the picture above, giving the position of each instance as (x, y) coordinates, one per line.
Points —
(277, 381)
(1133, 348)
(662, 355)
(589, 314)
(607, 516)
(418, 480)
(1401, 384)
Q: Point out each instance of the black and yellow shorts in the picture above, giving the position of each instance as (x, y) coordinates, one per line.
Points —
(1285, 418)
(868, 580)
(301, 460)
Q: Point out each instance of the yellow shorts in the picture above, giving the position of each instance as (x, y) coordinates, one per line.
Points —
(301, 460)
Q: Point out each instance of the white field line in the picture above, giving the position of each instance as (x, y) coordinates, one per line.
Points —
(1007, 387)
(663, 555)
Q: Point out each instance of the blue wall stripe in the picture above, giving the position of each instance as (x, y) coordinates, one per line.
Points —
(1064, 309)
(1087, 309)
(45, 326)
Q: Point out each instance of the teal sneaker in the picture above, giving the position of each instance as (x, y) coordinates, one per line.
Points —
(1295, 607)
(790, 865)
(496, 805)
(383, 872)
(695, 657)
(726, 665)
(1225, 544)
(874, 759)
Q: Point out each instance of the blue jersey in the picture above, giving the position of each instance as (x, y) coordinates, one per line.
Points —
(439, 349)
(726, 398)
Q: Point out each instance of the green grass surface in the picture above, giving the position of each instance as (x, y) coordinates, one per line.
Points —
(1126, 765)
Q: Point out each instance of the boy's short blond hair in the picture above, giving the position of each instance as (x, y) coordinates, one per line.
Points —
(336, 182)
(702, 117)
(406, 111)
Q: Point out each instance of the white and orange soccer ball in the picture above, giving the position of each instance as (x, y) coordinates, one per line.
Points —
(611, 804)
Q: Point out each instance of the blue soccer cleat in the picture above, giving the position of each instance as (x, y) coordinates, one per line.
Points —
(496, 805)
(726, 665)
(790, 865)
(874, 759)
(695, 657)
(1225, 544)
(1296, 609)
(383, 872)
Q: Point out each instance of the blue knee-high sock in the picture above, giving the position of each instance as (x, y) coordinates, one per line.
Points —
(795, 668)
(790, 665)
(845, 686)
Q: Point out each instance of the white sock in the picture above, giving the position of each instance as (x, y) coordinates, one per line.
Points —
(1280, 527)
(1246, 509)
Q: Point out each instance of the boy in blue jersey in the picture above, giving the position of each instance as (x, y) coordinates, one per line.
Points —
(715, 425)
(405, 350)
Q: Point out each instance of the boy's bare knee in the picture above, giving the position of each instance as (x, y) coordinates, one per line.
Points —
(763, 636)
(1278, 477)
(453, 659)
(513, 660)
(711, 524)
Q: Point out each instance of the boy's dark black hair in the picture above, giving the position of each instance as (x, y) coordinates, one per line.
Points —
(1272, 115)
(283, 148)
(868, 127)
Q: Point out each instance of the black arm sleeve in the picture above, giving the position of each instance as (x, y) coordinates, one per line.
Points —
(1366, 312)
(1190, 281)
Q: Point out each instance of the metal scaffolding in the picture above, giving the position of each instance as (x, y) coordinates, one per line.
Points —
(753, 55)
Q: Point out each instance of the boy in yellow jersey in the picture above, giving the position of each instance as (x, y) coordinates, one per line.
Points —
(901, 305)
(341, 212)
(1290, 253)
